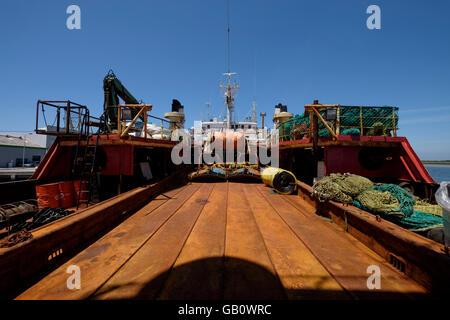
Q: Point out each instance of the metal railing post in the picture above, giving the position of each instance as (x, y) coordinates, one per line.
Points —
(393, 123)
(145, 123)
(37, 116)
(58, 114)
(119, 125)
(67, 117)
(338, 120)
(360, 120)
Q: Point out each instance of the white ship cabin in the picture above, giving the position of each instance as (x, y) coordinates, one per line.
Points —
(248, 128)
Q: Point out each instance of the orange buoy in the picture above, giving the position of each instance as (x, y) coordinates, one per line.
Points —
(230, 139)
(66, 192)
(81, 190)
(48, 195)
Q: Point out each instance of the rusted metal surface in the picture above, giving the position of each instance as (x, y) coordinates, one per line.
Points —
(226, 240)
(115, 139)
(68, 108)
(345, 141)
(19, 208)
(57, 161)
(64, 237)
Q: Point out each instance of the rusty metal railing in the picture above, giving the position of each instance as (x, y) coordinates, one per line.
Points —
(68, 118)
(126, 122)
(336, 120)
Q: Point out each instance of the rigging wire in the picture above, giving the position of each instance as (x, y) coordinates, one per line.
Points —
(228, 35)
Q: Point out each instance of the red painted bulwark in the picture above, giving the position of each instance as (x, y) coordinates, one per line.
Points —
(57, 163)
(346, 159)
(119, 160)
(44, 165)
(400, 163)
(413, 162)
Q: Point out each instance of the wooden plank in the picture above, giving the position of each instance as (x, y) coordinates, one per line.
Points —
(347, 263)
(300, 204)
(144, 273)
(249, 273)
(63, 238)
(103, 258)
(198, 271)
(301, 274)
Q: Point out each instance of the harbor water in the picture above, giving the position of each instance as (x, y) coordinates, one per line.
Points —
(439, 172)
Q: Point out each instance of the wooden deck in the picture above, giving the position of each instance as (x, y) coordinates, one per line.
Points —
(225, 241)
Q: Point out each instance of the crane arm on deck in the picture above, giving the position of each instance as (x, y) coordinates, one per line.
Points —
(114, 89)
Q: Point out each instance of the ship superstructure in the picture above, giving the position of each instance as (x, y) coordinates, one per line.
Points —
(248, 128)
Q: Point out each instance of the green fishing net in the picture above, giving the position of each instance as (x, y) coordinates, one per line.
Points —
(351, 132)
(375, 121)
(388, 200)
(405, 198)
(341, 187)
(377, 201)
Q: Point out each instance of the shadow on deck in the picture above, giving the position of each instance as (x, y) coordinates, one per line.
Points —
(235, 279)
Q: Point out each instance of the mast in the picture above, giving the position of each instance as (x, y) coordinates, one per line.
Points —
(208, 107)
(254, 111)
(230, 87)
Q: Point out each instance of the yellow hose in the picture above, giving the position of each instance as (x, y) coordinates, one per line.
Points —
(283, 181)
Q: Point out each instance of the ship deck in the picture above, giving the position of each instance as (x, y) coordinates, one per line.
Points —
(225, 241)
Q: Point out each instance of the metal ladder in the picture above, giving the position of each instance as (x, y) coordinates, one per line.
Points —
(86, 163)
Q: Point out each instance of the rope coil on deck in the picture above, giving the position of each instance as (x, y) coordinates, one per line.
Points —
(16, 238)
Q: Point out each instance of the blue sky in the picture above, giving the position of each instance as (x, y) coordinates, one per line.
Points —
(283, 51)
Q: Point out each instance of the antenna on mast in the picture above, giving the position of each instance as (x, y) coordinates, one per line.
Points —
(208, 107)
(228, 35)
(230, 88)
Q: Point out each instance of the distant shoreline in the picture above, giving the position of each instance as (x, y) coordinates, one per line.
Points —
(436, 163)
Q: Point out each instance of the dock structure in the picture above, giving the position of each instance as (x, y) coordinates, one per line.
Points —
(16, 173)
(225, 241)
